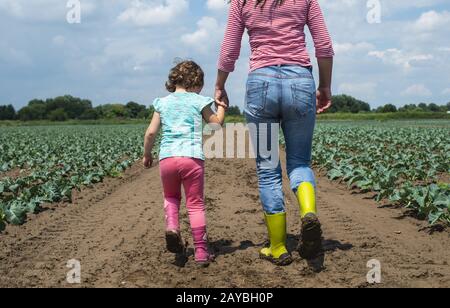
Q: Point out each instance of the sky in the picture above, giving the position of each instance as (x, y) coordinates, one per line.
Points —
(122, 50)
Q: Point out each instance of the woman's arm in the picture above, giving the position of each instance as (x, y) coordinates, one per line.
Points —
(214, 118)
(221, 95)
(324, 53)
(150, 137)
(231, 45)
(324, 97)
(230, 51)
(319, 31)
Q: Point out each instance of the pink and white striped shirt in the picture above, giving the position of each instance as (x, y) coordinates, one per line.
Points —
(276, 33)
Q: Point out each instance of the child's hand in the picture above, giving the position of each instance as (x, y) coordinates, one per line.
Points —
(147, 161)
(221, 104)
(221, 98)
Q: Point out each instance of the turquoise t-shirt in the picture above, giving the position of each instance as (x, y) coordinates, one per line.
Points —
(182, 124)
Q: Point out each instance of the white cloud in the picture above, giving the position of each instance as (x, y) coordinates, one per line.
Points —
(365, 90)
(339, 6)
(341, 48)
(417, 90)
(217, 4)
(59, 40)
(126, 55)
(432, 20)
(206, 36)
(106, 56)
(42, 10)
(12, 7)
(142, 13)
(9, 54)
(446, 91)
(400, 57)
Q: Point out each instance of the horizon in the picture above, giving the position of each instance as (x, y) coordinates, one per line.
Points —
(122, 52)
(241, 108)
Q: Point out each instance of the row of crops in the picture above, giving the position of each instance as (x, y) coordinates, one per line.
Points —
(45, 164)
(403, 163)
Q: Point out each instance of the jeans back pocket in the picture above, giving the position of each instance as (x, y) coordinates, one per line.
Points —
(303, 98)
(256, 95)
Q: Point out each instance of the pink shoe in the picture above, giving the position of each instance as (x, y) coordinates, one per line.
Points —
(203, 256)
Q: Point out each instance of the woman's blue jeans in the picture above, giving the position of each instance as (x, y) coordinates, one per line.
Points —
(281, 96)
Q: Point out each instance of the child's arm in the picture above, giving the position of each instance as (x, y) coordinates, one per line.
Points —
(214, 118)
(149, 141)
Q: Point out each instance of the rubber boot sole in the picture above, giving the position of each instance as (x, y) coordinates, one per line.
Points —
(283, 260)
(311, 237)
(174, 243)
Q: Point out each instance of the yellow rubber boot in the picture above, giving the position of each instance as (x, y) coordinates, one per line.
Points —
(277, 252)
(310, 245)
(306, 196)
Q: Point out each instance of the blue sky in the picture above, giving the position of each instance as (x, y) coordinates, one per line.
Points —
(122, 49)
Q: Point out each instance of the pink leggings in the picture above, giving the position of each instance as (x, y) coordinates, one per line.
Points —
(189, 172)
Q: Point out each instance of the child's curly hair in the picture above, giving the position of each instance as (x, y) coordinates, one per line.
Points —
(186, 74)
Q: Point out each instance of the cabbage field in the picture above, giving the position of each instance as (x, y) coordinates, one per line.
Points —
(402, 163)
(405, 163)
(45, 164)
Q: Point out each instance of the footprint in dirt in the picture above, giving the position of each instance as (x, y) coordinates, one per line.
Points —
(224, 246)
(139, 278)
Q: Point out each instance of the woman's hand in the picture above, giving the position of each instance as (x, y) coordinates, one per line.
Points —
(221, 98)
(324, 99)
(221, 95)
(147, 161)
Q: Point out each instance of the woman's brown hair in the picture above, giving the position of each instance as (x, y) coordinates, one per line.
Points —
(186, 74)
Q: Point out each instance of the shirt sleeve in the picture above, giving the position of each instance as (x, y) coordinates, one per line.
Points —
(157, 105)
(231, 46)
(319, 31)
(204, 102)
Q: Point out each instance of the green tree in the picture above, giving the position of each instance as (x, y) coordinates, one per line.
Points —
(58, 115)
(135, 109)
(7, 112)
(90, 114)
(409, 108)
(346, 103)
(112, 111)
(234, 111)
(147, 113)
(33, 112)
(389, 108)
(36, 102)
(74, 107)
(434, 108)
(423, 107)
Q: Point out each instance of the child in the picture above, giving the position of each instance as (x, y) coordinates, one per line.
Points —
(181, 155)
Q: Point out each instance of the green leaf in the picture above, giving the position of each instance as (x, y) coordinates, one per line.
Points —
(433, 218)
(335, 174)
(16, 214)
(13, 188)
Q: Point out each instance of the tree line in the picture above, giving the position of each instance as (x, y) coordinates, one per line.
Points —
(67, 107)
(348, 104)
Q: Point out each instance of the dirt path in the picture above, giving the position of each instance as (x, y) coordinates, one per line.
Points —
(116, 231)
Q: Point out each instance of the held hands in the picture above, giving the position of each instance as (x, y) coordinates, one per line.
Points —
(147, 161)
(221, 98)
(323, 99)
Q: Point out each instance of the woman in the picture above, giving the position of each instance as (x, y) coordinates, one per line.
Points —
(281, 91)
